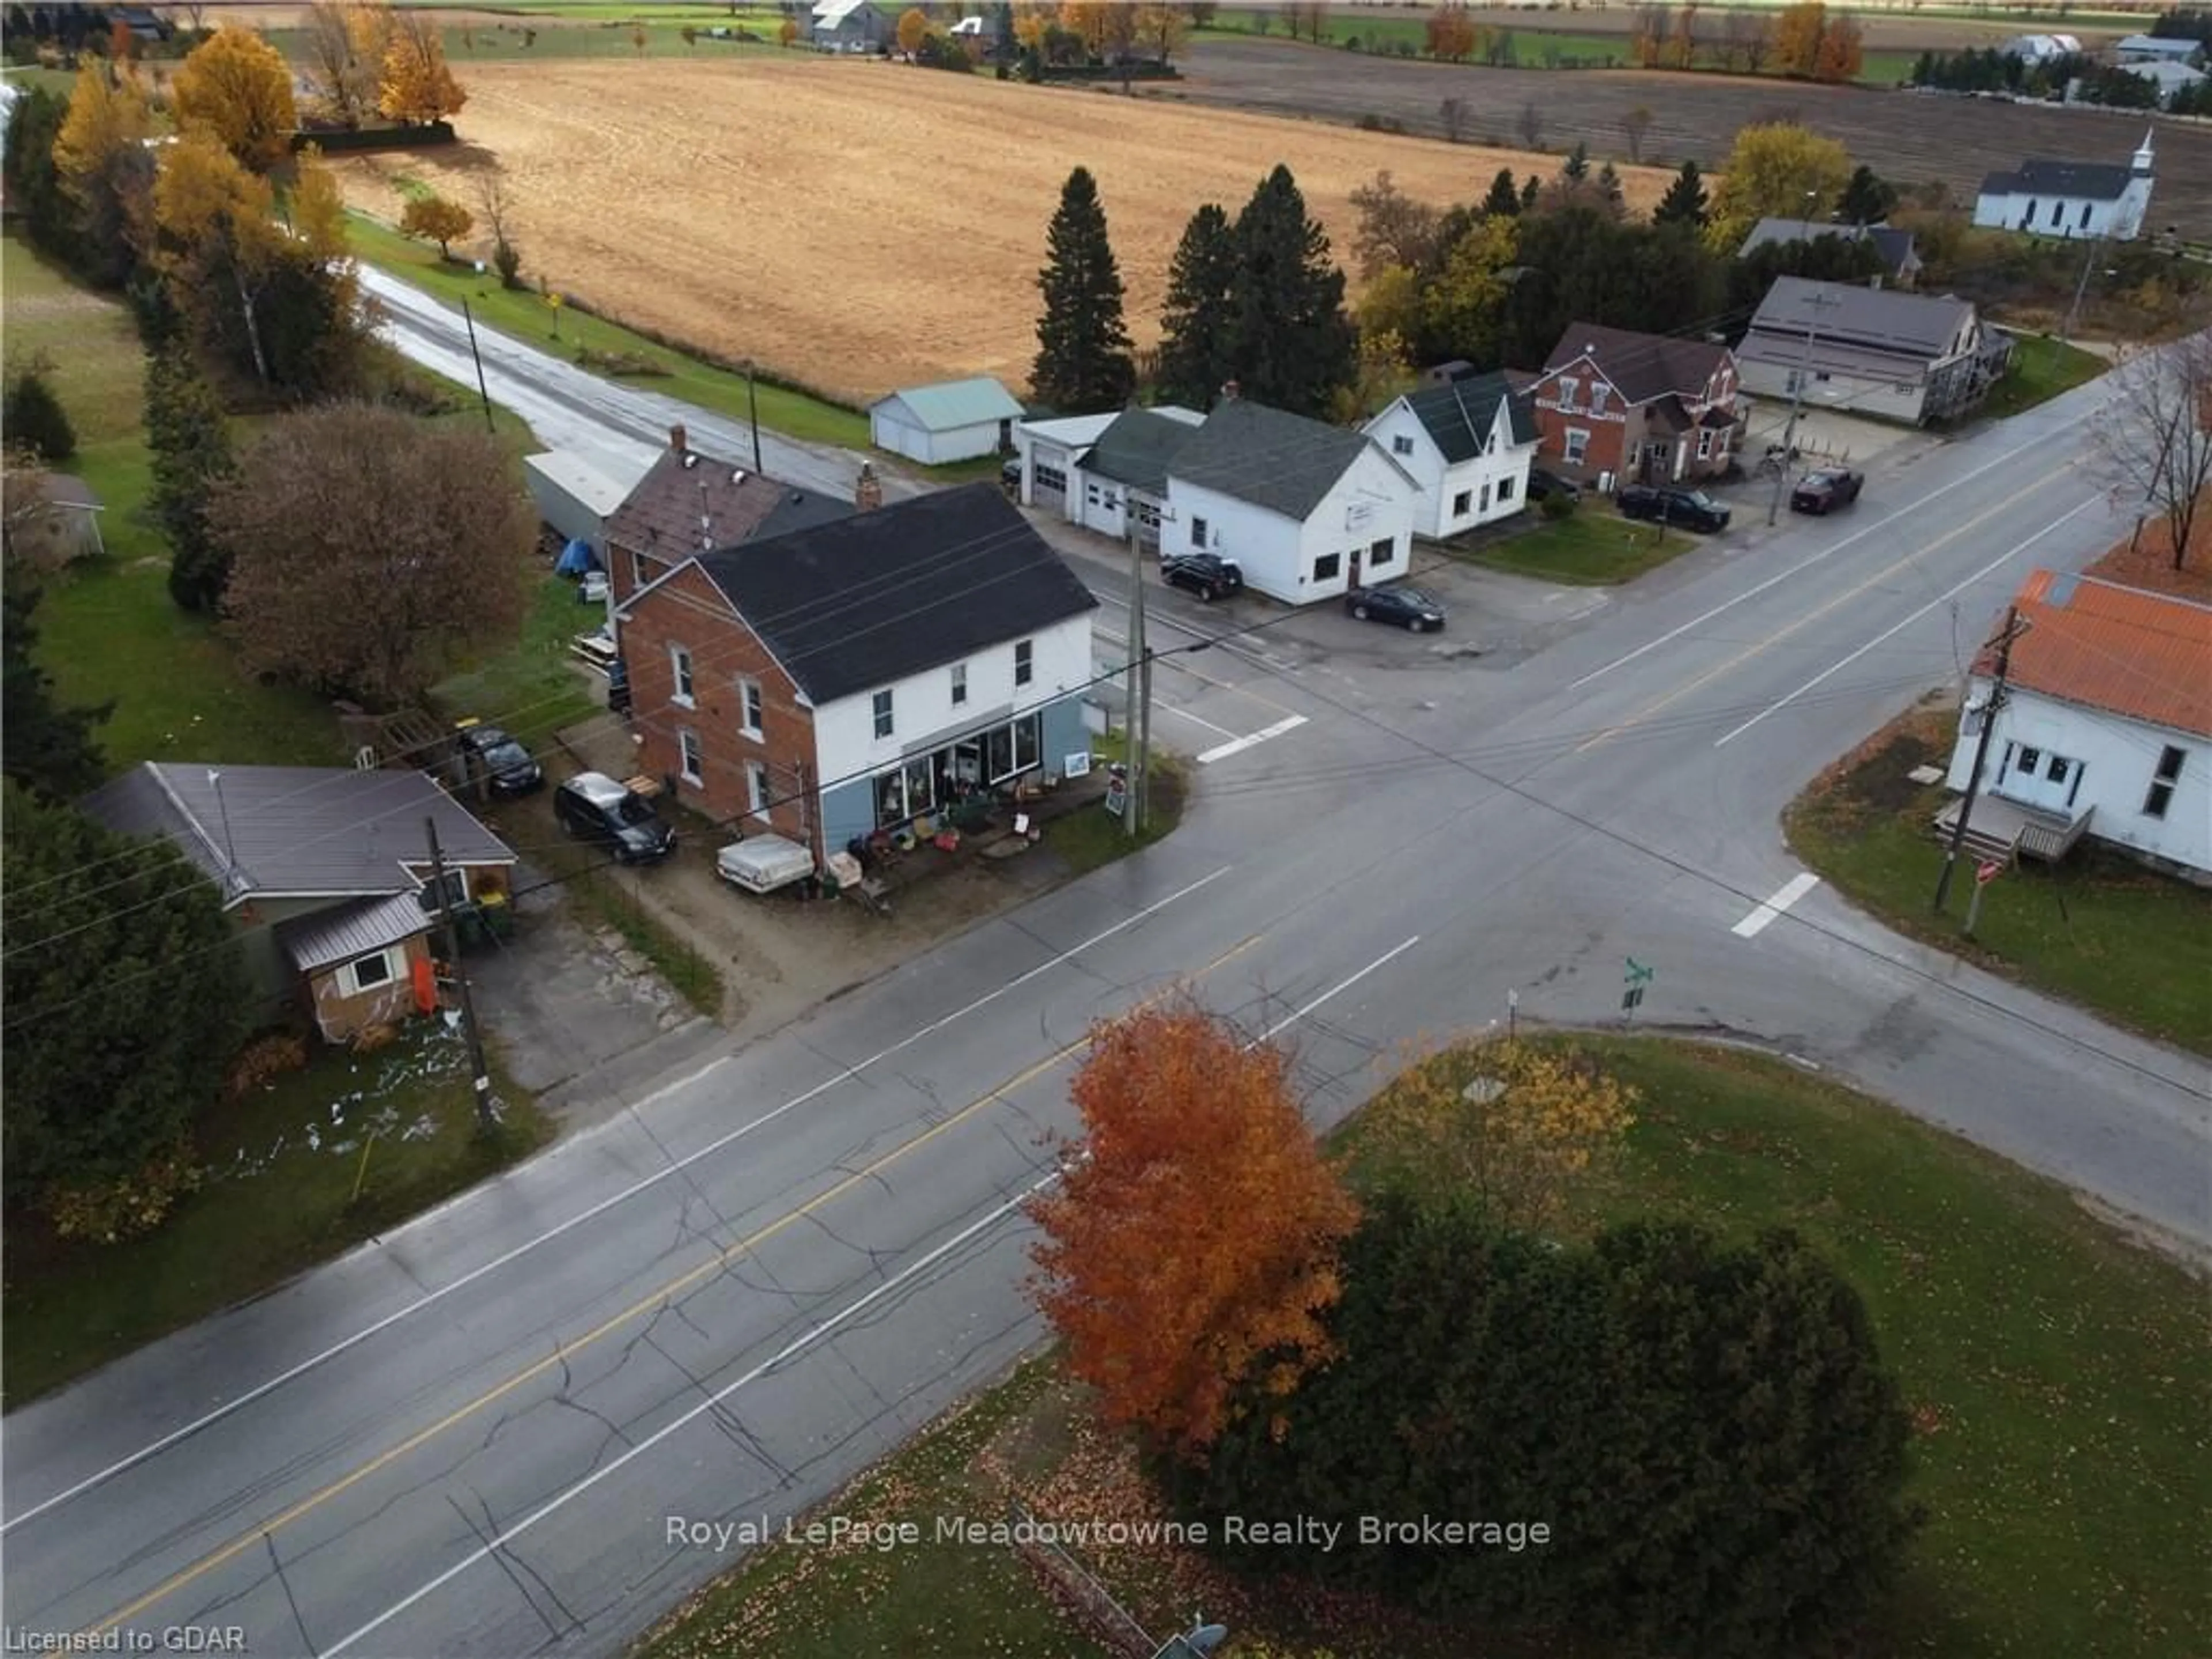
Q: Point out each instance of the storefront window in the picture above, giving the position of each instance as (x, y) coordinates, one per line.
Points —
(920, 787)
(1026, 743)
(999, 753)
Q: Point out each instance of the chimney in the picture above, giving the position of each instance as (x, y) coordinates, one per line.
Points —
(678, 439)
(868, 489)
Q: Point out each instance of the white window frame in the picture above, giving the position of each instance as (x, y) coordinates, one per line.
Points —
(1024, 661)
(1381, 552)
(682, 677)
(1400, 444)
(1569, 385)
(349, 974)
(883, 709)
(1485, 506)
(1597, 398)
(2165, 781)
(759, 792)
(753, 709)
(691, 757)
(1505, 490)
(1197, 534)
(1705, 444)
(457, 890)
(1334, 560)
(959, 693)
(1578, 439)
(1462, 503)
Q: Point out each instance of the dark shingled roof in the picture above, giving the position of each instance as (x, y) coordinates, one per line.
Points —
(1283, 461)
(302, 830)
(2095, 181)
(1641, 366)
(874, 597)
(1459, 413)
(662, 517)
(1136, 449)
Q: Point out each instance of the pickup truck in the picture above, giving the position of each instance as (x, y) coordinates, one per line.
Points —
(1823, 491)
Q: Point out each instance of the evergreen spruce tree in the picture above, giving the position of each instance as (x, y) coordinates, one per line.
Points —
(1866, 199)
(33, 418)
(1608, 182)
(1529, 192)
(1577, 162)
(1504, 198)
(1196, 320)
(1083, 362)
(192, 453)
(1684, 201)
(48, 747)
(1291, 346)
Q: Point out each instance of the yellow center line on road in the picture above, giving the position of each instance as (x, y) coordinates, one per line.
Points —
(650, 1303)
(1644, 714)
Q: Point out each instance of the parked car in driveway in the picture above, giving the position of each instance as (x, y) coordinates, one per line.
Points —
(1410, 607)
(1823, 491)
(592, 806)
(1207, 574)
(1665, 504)
(504, 764)
(1543, 483)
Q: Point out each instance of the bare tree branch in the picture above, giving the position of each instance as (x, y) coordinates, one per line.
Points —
(2155, 440)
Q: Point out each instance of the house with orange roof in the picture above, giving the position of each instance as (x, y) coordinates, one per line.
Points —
(2104, 729)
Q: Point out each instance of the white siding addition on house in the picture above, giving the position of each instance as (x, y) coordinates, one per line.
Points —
(1459, 441)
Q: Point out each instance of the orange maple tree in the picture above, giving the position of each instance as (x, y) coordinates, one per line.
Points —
(1193, 1244)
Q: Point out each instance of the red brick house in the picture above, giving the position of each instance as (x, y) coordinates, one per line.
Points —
(1646, 408)
(689, 503)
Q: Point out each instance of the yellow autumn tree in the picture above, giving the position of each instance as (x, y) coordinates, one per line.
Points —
(316, 212)
(1776, 169)
(417, 87)
(342, 47)
(1843, 50)
(1030, 23)
(1089, 21)
(1385, 372)
(912, 29)
(1193, 1244)
(437, 220)
(1160, 31)
(239, 87)
(1518, 1127)
(220, 240)
(100, 154)
(1798, 33)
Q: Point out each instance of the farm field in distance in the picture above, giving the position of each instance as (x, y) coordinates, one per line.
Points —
(1905, 137)
(860, 226)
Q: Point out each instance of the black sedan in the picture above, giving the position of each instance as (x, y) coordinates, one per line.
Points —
(1543, 483)
(1408, 607)
(1823, 491)
(1667, 505)
(504, 764)
(1207, 574)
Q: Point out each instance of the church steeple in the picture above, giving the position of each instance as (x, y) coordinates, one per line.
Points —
(2143, 161)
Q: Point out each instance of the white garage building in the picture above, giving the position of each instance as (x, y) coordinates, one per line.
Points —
(950, 421)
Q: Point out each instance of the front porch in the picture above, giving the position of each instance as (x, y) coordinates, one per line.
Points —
(2007, 829)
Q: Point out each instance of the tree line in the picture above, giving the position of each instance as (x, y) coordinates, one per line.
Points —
(1429, 1326)
(2116, 86)
(1805, 41)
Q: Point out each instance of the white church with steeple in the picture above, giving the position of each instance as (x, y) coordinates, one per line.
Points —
(2069, 198)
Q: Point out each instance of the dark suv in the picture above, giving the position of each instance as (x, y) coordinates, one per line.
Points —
(592, 806)
(504, 764)
(1207, 574)
(1667, 505)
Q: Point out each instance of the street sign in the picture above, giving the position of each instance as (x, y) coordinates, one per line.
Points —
(1637, 973)
(1117, 795)
(1987, 872)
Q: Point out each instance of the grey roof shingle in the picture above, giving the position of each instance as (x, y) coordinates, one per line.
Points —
(1459, 413)
(1641, 366)
(2095, 181)
(1283, 461)
(868, 599)
(1918, 325)
(689, 503)
(1136, 448)
(303, 831)
(1895, 247)
(347, 931)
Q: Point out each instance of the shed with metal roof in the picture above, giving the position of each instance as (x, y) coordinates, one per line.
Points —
(946, 421)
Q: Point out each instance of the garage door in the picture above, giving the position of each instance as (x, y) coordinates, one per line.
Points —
(1049, 486)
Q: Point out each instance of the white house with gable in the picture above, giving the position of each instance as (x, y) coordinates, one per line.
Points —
(2105, 730)
(1469, 443)
(2069, 198)
(1308, 511)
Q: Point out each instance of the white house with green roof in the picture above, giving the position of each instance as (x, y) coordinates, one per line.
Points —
(1469, 442)
(948, 421)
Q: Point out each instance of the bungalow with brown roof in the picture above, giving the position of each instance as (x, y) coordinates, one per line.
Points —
(2106, 728)
(1645, 408)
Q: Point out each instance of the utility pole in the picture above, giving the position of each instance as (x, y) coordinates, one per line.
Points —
(1818, 301)
(1138, 720)
(2081, 287)
(2011, 631)
(481, 391)
(487, 1111)
(752, 408)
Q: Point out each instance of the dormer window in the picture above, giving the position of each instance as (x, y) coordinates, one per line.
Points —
(1569, 385)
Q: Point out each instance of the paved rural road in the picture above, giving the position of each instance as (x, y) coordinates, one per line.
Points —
(470, 1437)
(568, 408)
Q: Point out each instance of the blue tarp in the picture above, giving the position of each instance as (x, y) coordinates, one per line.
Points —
(576, 558)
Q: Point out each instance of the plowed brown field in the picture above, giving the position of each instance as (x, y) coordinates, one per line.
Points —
(860, 226)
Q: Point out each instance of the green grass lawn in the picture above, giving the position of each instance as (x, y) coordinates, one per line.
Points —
(107, 629)
(557, 34)
(1595, 547)
(526, 315)
(2042, 368)
(2059, 1381)
(281, 1163)
(531, 688)
(2133, 945)
(1092, 836)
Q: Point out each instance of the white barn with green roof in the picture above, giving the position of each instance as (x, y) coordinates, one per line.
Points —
(950, 421)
